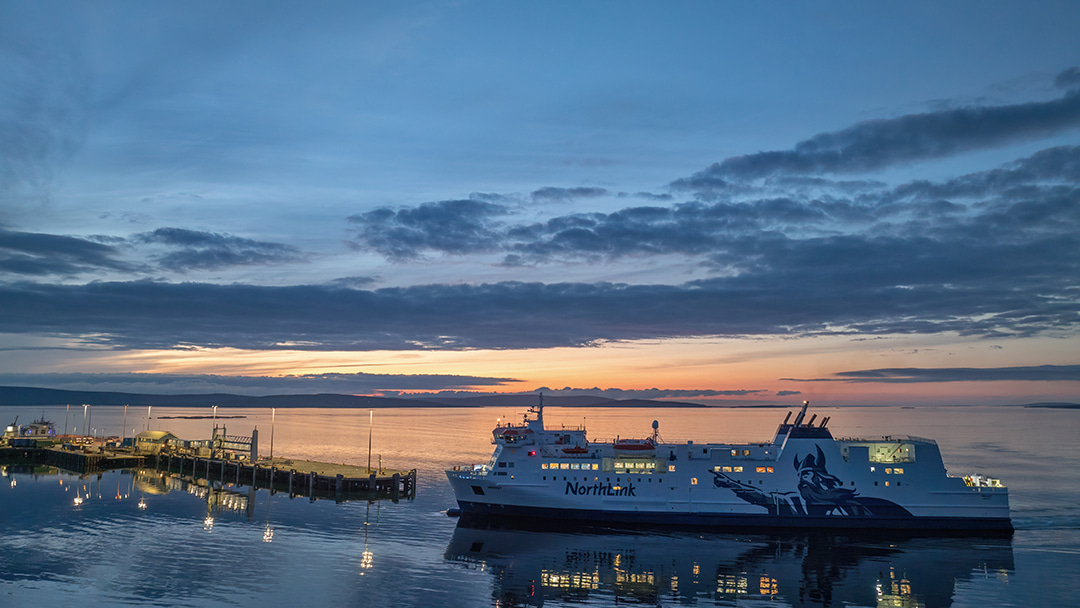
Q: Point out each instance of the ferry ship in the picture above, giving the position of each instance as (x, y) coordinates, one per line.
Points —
(803, 478)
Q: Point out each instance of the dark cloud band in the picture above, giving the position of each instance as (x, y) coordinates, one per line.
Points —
(914, 375)
(524, 315)
(356, 383)
(877, 144)
(198, 250)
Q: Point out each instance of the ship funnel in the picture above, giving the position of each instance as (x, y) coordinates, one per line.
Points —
(802, 413)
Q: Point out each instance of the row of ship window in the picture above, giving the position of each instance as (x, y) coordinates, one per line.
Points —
(636, 467)
(571, 466)
(735, 469)
(650, 467)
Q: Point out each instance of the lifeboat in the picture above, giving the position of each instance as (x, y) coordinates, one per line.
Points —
(513, 435)
(635, 446)
(575, 449)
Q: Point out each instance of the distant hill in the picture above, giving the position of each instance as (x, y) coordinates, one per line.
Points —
(555, 400)
(20, 395)
(522, 400)
(29, 396)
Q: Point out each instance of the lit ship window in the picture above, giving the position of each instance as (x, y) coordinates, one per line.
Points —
(892, 452)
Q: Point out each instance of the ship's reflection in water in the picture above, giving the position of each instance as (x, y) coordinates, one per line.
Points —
(533, 564)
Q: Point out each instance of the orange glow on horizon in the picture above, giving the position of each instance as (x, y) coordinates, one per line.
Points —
(765, 366)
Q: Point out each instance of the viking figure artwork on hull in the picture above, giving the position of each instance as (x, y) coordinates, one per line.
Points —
(819, 494)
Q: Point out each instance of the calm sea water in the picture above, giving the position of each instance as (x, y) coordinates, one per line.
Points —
(231, 546)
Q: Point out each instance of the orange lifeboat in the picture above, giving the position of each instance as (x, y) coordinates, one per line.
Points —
(635, 446)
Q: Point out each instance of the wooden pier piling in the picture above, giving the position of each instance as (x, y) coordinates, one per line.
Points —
(322, 481)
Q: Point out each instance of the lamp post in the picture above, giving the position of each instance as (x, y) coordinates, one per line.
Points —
(273, 416)
(84, 418)
(213, 435)
(371, 419)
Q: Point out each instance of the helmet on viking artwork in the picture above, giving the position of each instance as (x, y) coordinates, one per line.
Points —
(810, 463)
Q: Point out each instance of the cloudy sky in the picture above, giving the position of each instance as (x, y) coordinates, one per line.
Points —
(718, 202)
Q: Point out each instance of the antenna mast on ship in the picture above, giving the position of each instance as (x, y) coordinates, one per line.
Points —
(538, 409)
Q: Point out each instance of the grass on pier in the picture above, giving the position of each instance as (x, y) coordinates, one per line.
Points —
(327, 469)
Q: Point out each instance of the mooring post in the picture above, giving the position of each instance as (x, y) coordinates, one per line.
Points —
(371, 483)
(338, 483)
(311, 484)
(291, 473)
(396, 480)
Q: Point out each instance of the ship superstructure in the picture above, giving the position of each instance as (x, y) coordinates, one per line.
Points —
(40, 432)
(803, 478)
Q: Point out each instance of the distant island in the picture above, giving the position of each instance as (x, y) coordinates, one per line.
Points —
(30, 396)
(197, 417)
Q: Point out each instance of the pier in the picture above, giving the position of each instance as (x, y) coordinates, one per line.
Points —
(297, 477)
(74, 461)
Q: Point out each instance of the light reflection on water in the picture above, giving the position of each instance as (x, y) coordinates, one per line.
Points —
(533, 566)
(110, 551)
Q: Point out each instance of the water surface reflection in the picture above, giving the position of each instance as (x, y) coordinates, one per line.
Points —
(532, 564)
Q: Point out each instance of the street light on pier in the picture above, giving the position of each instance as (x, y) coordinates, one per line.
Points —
(213, 436)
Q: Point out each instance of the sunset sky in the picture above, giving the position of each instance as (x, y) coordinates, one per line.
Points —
(729, 203)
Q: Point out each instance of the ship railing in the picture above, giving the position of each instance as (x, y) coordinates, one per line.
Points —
(982, 481)
(475, 469)
(885, 438)
(555, 450)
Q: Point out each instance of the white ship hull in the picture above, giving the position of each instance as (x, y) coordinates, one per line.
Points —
(804, 478)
